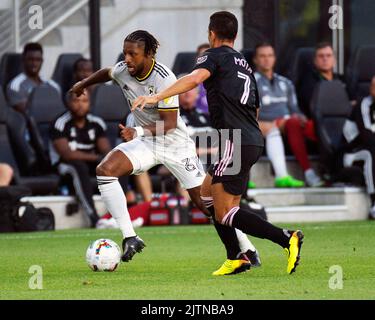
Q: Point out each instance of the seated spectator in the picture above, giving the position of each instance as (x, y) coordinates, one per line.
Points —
(324, 63)
(202, 104)
(196, 121)
(82, 68)
(359, 132)
(279, 112)
(79, 142)
(21, 86)
(6, 174)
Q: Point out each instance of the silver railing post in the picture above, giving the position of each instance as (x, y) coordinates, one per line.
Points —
(16, 24)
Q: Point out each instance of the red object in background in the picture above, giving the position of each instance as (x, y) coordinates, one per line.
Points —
(141, 210)
(159, 214)
(165, 209)
(198, 217)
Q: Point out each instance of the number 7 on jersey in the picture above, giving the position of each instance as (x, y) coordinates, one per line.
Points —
(246, 91)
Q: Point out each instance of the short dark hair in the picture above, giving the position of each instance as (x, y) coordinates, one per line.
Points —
(262, 45)
(322, 45)
(78, 61)
(224, 24)
(32, 46)
(150, 42)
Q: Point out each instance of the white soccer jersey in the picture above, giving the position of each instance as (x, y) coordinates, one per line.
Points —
(159, 78)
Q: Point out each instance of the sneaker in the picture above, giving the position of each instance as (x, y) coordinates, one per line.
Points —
(106, 223)
(294, 250)
(130, 247)
(251, 185)
(138, 222)
(288, 182)
(312, 179)
(254, 258)
(233, 267)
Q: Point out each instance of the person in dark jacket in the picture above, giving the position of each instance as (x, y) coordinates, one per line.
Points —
(359, 133)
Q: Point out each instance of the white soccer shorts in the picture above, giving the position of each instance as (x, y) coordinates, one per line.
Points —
(180, 159)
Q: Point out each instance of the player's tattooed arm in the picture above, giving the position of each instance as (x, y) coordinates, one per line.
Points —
(100, 76)
(182, 85)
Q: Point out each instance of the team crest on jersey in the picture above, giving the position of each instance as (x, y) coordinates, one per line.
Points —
(73, 132)
(283, 86)
(151, 90)
(91, 134)
(168, 101)
(201, 59)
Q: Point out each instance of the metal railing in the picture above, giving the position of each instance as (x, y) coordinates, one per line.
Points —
(14, 22)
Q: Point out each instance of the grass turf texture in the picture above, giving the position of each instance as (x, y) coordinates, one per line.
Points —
(178, 261)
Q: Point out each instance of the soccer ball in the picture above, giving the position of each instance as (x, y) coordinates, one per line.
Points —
(103, 255)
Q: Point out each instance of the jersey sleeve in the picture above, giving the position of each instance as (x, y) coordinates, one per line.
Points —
(57, 132)
(206, 61)
(16, 96)
(116, 71)
(256, 91)
(171, 103)
(101, 131)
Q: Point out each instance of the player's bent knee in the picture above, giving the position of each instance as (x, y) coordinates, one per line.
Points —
(104, 169)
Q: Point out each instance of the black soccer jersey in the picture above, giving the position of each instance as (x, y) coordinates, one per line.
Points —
(81, 139)
(232, 93)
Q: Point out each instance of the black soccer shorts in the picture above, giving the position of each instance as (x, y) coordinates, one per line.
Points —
(233, 166)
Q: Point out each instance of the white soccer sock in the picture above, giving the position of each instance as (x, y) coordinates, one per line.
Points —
(244, 242)
(115, 201)
(276, 153)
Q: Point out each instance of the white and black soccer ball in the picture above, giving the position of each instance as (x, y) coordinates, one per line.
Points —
(103, 255)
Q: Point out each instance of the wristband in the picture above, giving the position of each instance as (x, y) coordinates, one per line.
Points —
(140, 131)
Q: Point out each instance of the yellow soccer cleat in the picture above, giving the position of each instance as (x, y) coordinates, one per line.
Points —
(232, 267)
(294, 251)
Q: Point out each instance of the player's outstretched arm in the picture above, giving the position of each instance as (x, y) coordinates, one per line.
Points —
(182, 85)
(99, 76)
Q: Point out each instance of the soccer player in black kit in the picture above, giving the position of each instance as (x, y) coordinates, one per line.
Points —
(233, 102)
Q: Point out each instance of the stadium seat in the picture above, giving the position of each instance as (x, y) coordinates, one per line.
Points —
(184, 62)
(249, 55)
(10, 66)
(11, 135)
(63, 73)
(108, 102)
(303, 62)
(44, 106)
(361, 69)
(330, 107)
(120, 57)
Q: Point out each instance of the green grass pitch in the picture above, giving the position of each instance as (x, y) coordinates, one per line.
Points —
(178, 261)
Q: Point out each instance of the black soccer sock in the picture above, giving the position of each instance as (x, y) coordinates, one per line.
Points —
(227, 236)
(253, 225)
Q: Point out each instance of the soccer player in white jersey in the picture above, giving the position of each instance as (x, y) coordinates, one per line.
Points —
(159, 137)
